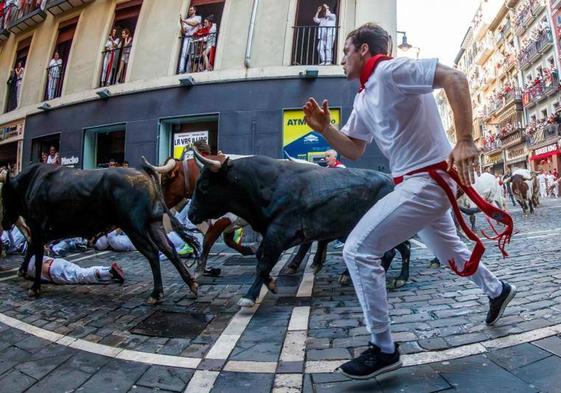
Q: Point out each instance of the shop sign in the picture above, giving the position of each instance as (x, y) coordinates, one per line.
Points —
(299, 141)
(69, 161)
(546, 149)
(11, 131)
(515, 153)
(183, 139)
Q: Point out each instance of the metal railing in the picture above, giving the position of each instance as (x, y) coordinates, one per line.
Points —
(314, 45)
(533, 49)
(13, 13)
(543, 132)
(197, 53)
(540, 90)
(114, 65)
(55, 76)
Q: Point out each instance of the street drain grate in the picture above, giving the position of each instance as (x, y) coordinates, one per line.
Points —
(240, 261)
(173, 324)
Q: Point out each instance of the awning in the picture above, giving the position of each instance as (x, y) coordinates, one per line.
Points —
(542, 156)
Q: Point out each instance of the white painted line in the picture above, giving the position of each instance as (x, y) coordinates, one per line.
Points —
(440, 356)
(202, 381)
(91, 256)
(241, 366)
(294, 347)
(299, 318)
(307, 284)
(418, 243)
(225, 344)
(96, 348)
(288, 383)
(522, 338)
(8, 278)
(155, 358)
(540, 236)
(534, 232)
(15, 269)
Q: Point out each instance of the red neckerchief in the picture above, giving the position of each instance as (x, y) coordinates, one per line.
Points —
(369, 68)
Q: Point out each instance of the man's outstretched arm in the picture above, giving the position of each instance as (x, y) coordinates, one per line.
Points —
(319, 119)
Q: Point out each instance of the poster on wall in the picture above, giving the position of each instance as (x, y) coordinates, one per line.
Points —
(182, 139)
(299, 141)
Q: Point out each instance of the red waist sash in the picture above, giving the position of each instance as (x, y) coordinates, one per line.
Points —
(490, 210)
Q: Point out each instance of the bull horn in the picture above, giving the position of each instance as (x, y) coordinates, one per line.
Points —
(164, 169)
(470, 211)
(213, 165)
(3, 175)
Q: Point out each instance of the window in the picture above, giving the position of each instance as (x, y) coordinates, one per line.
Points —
(315, 33)
(176, 133)
(118, 44)
(57, 65)
(9, 154)
(15, 79)
(544, 113)
(104, 144)
(43, 145)
(199, 35)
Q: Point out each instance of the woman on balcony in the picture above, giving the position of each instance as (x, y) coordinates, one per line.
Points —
(126, 44)
(54, 74)
(210, 49)
(19, 70)
(327, 22)
(111, 45)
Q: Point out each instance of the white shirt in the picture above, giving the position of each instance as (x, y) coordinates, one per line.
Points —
(190, 30)
(550, 178)
(541, 178)
(398, 111)
(52, 159)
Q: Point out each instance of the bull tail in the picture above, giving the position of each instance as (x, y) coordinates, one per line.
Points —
(186, 235)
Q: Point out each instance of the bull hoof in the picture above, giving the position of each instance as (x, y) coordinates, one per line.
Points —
(434, 264)
(292, 269)
(398, 283)
(345, 280)
(155, 299)
(272, 285)
(194, 287)
(245, 302)
(34, 292)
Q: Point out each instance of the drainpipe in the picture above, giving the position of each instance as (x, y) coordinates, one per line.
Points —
(250, 34)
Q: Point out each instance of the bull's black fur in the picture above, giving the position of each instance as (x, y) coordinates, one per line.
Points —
(288, 203)
(59, 202)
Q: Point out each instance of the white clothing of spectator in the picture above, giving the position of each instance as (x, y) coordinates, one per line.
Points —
(327, 22)
(189, 26)
(54, 74)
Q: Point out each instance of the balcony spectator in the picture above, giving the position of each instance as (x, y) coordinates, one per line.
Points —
(189, 27)
(44, 158)
(109, 63)
(54, 74)
(327, 22)
(126, 44)
(19, 70)
(12, 91)
(210, 39)
(54, 157)
(112, 163)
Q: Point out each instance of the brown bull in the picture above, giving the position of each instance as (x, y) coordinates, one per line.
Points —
(178, 182)
(523, 193)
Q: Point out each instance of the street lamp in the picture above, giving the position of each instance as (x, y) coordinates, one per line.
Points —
(404, 46)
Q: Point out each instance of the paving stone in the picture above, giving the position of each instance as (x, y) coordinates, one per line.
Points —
(165, 378)
(517, 356)
(433, 344)
(551, 344)
(15, 381)
(412, 379)
(328, 354)
(228, 382)
(476, 374)
(544, 374)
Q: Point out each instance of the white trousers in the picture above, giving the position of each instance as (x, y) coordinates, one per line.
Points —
(416, 206)
(64, 272)
(185, 58)
(325, 49)
(120, 242)
(543, 190)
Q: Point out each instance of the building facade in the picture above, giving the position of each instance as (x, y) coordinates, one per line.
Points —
(105, 80)
(511, 56)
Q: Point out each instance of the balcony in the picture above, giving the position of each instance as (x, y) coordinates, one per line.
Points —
(115, 63)
(484, 51)
(544, 133)
(314, 45)
(197, 53)
(514, 138)
(19, 20)
(555, 5)
(59, 7)
(55, 77)
(534, 50)
(540, 91)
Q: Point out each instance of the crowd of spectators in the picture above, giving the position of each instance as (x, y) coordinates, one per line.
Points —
(116, 56)
(525, 9)
(12, 10)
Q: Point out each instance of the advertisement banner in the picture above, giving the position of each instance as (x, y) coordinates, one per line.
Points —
(182, 139)
(299, 141)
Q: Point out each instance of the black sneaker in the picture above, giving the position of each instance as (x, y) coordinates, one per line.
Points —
(497, 305)
(371, 363)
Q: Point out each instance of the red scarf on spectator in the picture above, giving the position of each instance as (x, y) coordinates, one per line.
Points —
(369, 68)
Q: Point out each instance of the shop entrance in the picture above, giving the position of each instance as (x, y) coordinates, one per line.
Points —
(104, 144)
(9, 155)
(176, 133)
(42, 145)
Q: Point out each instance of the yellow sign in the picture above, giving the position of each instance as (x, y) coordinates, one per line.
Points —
(299, 140)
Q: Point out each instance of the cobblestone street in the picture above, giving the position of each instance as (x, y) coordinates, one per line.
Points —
(106, 338)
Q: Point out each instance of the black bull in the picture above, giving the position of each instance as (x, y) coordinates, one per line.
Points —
(288, 203)
(58, 202)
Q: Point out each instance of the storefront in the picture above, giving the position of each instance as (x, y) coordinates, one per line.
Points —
(546, 158)
(494, 163)
(516, 157)
(11, 145)
(231, 115)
